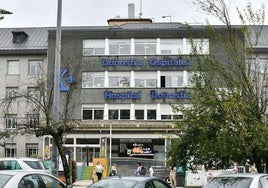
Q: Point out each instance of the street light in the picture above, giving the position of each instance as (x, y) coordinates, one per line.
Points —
(168, 16)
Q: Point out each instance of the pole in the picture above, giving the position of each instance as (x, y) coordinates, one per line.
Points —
(110, 156)
(56, 98)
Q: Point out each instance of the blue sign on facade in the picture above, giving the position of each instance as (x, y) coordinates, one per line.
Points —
(69, 80)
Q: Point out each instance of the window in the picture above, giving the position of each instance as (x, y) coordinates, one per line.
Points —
(13, 67)
(264, 65)
(94, 47)
(139, 114)
(145, 46)
(119, 79)
(113, 114)
(145, 79)
(119, 46)
(19, 36)
(31, 150)
(12, 93)
(171, 46)
(10, 150)
(151, 114)
(35, 67)
(172, 79)
(200, 45)
(32, 119)
(11, 121)
(33, 94)
(93, 113)
(90, 79)
(124, 114)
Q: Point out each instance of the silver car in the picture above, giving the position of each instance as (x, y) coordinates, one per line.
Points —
(27, 179)
(130, 182)
(237, 180)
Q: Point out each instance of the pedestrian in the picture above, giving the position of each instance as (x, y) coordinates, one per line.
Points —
(151, 171)
(113, 170)
(138, 170)
(98, 170)
(253, 169)
(172, 176)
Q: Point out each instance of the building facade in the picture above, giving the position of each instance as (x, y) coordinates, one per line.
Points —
(23, 57)
(128, 79)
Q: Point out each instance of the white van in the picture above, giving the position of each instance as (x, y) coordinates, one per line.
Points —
(22, 163)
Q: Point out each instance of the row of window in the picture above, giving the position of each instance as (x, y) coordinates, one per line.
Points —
(11, 120)
(32, 93)
(31, 150)
(35, 67)
(137, 79)
(128, 113)
(133, 46)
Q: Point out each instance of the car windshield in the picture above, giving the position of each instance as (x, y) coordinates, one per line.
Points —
(4, 179)
(38, 165)
(115, 183)
(229, 182)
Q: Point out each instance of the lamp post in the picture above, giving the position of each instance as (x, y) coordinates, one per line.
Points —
(168, 16)
(57, 88)
(110, 156)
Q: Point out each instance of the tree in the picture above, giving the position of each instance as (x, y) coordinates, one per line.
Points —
(40, 100)
(4, 12)
(225, 122)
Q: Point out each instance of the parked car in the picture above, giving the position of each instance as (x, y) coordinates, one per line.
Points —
(237, 180)
(11, 163)
(28, 179)
(130, 182)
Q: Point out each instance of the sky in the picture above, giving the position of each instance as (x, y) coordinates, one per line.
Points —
(43, 13)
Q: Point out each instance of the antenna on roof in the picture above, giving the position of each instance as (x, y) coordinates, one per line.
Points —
(140, 14)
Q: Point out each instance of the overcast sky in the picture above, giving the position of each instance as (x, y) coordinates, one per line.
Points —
(43, 13)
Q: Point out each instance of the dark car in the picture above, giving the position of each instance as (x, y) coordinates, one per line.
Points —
(130, 182)
(237, 180)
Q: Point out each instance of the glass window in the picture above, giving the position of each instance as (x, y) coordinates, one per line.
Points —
(11, 121)
(33, 94)
(119, 46)
(139, 114)
(32, 120)
(93, 113)
(13, 67)
(119, 79)
(51, 182)
(264, 65)
(35, 67)
(171, 46)
(92, 79)
(94, 47)
(12, 93)
(124, 114)
(145, 79)
(31, 150)
(151, 114)
(172, 79)
(113, 114)
(145, 46)
(10, 150)
(200, 45)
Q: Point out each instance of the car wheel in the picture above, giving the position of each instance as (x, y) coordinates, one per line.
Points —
(167, 180)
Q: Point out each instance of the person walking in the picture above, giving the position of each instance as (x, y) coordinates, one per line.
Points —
(172, 176)
(98, 170)
(151, 171)
(253, 169)
(113, 170)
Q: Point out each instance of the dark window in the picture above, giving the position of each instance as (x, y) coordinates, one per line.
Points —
(139, 114)
(124, 114)
(113, 114)
(87, 114)
(163, 81)
(98, 114)
(19, 36)
(151, 114)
